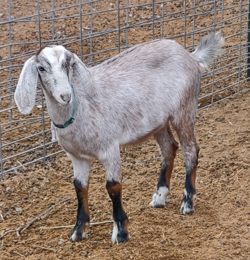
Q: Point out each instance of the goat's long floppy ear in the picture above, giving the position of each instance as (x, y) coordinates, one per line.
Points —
(79, 71)
(25, 93)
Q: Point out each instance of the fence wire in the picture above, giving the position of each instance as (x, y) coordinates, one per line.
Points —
(96, 30)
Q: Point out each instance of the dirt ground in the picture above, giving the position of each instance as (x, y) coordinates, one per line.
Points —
(219, 228)
(40, 201)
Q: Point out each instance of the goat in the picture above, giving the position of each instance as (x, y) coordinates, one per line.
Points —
(140, 92)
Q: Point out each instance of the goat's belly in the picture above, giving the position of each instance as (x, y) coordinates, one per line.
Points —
(139, 130)
(138, 137)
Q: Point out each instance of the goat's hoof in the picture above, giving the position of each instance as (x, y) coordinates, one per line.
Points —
(186, 207)
(119, 236)
(77, 236)
(122, 237)
(159, 198)
(156, 205)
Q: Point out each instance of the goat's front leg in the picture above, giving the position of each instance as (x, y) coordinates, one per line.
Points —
(81, 179)
(112, 164)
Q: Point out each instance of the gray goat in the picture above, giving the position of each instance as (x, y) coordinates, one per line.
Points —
(125, 99)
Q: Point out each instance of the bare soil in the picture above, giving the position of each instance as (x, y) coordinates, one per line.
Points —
(219, 228)
(44, 194)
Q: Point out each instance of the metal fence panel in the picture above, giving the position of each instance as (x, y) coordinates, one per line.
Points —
(95, 30)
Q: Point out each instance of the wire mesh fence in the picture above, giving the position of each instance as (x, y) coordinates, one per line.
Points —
(96, 30)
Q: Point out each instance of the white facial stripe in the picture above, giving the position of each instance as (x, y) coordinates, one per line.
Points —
(57, 81)
(55, 55)
(49, 54)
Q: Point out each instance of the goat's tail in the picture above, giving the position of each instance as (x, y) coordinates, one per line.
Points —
(209, 48)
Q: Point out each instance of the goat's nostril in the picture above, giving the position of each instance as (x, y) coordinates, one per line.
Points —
(66, 97)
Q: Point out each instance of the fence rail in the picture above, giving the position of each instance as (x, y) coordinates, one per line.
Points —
(96, 30)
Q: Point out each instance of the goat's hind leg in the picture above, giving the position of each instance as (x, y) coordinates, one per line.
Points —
(190, 151)
(168, 147)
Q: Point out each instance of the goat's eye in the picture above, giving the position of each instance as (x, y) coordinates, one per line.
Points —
(40, 68)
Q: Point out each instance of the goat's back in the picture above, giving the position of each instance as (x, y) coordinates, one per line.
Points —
(142, 87)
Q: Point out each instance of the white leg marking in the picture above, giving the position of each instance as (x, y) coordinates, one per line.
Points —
(185, 208)
(75, 238)
(114, 233)
(185, 205)
(159, 197)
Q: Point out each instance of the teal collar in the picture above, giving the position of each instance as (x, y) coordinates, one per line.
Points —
(66, 124)
(72, 118)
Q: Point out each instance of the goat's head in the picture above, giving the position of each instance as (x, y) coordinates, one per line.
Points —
(53, 66)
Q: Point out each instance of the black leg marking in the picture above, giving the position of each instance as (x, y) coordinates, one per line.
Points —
(167, 167)
(159, 197)
(188, 194)
(187, 205)
(115, 193)
(82, 211)
(164, 175)
(168, 147)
